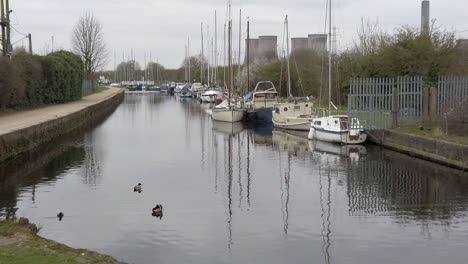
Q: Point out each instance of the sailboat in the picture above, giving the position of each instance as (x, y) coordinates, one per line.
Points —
(297, 113)
(336, 128)
(229, 113)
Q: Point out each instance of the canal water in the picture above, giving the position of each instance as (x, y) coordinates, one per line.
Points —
(234, 194)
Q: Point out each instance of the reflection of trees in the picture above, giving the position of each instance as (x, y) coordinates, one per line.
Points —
(41, 166)
(393, 182)
(91, 169)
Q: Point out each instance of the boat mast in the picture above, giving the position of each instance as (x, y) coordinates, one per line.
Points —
(224, 56)
(287, 55)
(216, 52)
(229, 87)
(248, 54)
(239, 53)
(202, 56)
(208, 54)
(329, 55)
(188, 54)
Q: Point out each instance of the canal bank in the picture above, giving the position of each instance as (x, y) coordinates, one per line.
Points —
(435, 150)
(23, 131)
(19, 243)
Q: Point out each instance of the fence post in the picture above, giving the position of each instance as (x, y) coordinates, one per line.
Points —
(395, 107)
(433, 104)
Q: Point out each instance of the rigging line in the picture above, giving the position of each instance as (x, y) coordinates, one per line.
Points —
(23, 38)
(323, 55)
(17, 31)
(281, 60)
(298, 75)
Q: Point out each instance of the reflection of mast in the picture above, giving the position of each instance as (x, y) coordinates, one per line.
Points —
(216, 163)
(285, 204)
(229, 224)
(239, 170)
(326, 223)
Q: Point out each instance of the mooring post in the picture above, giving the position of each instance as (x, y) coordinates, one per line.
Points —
(395, 107)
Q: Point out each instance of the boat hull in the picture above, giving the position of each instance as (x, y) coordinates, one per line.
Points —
(303, 125)
(230, 115)
(263, 115)
(342, 137)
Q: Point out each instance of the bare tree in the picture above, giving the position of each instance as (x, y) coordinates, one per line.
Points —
(88, 42)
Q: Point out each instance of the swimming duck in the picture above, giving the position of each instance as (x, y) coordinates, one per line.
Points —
(60, 216)
(137, 188)
(158, 210)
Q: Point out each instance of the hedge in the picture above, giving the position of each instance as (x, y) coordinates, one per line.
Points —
(28, 81)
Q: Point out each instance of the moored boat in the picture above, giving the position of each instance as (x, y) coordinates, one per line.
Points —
(260, 102)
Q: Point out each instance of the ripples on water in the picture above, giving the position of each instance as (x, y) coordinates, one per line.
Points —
(234, 194)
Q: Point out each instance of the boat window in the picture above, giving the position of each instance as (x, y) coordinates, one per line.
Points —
(307, 105)
(270, 95)
(318, 123)
(297, 107)
(285, 109)
(277, 110)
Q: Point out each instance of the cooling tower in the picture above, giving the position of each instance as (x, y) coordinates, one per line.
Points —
(267, 48)
(253, 50)
(318, 42)
(462, 43)
(425, 16)
(299, 44)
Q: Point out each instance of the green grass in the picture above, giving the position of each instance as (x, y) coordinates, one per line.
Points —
(101, 89)
(433, 133)
(20, 245)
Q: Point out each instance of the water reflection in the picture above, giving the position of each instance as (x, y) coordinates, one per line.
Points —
(22, 175)
(235, 193)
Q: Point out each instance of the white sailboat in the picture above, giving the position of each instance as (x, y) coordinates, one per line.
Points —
(297, 113)
(336, 128)
(229, 113)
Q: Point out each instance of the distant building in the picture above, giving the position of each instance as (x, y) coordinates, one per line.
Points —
(265, 47)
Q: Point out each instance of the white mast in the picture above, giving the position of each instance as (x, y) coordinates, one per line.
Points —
(329, 55)
(188, 52)
(224, 56)
(287, 55)
(239, 53)
(216, 52)
(208, 53)
(202, 57)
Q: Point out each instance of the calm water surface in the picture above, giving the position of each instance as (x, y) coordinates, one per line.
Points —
(234, 194)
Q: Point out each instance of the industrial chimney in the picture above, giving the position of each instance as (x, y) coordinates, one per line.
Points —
(425, 17)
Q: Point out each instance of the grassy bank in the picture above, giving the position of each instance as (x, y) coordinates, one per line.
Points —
(433, 133)
(19, 243)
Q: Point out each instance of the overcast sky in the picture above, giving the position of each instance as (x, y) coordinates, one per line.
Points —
(162, 27)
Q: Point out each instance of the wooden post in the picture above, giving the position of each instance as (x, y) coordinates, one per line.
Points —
(395, 107)
(3, 24)
(30, 44)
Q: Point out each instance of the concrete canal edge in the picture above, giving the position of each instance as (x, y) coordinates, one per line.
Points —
(438, 151)
(86, 113)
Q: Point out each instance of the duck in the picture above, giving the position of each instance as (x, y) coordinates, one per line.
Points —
(158, 210)
(60, 216)
(137, 188)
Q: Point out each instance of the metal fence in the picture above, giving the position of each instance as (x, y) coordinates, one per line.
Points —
(88, 87)
(382, 103)
(452, 95)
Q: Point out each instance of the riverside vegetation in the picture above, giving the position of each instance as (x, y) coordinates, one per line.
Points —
(30, 80)
(19, 243)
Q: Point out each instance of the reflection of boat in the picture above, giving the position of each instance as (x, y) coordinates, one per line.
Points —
(297, 113)
(290, 143)
(228, 128)
(260, 102)
(337, 149)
